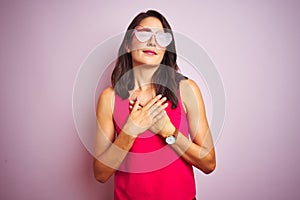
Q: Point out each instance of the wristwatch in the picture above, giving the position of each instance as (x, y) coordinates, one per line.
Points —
(171, 139)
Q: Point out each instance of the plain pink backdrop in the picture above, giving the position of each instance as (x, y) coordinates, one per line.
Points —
(255, 46)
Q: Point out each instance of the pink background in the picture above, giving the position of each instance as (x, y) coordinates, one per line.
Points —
(255, 46)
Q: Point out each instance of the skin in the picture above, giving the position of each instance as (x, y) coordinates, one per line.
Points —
(136, 48)
(147, 112)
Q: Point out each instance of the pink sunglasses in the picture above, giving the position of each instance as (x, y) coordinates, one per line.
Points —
(162, 37)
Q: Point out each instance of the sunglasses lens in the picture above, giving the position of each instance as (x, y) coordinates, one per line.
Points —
(143, 35)
(163, 38)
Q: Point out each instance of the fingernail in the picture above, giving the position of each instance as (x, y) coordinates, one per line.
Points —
(165, 98)
(159, 96)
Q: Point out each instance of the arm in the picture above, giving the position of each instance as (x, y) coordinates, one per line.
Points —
(109, 152)
(200, 151)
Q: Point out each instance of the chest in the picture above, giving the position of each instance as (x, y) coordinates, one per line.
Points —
(144, 96)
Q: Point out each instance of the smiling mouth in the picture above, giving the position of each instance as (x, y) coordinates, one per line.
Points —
(149, 52)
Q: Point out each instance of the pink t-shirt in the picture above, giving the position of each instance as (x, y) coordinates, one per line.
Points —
(152, 170)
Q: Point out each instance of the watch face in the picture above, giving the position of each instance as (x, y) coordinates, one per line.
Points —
(170, 139)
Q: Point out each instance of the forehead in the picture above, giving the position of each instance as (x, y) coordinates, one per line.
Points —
(151, 22)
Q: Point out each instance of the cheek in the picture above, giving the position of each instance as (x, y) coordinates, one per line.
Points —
(135, 44)
(134, 54)
(161, 53)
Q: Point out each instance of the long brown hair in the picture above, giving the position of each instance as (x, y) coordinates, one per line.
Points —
(165, 79)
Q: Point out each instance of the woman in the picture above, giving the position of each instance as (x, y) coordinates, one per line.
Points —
(152, 108)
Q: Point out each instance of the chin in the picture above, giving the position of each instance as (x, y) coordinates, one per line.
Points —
(146, 62)
(150, 61)
(150, 64)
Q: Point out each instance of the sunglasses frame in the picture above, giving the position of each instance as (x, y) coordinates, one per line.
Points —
(155, 33)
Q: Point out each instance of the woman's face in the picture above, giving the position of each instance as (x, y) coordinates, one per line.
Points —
(148, 52)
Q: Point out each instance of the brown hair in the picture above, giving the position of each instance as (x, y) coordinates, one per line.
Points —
(165, 79)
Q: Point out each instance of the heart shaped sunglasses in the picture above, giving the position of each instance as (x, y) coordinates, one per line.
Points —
(162, 37)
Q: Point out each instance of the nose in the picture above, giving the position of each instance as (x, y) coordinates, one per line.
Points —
(151, 41)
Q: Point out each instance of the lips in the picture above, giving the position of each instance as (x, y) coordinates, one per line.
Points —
(150, 52)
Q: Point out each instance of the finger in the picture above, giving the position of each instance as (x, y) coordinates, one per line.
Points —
(153, 101)
(131, 102)
(157, 108)
(165, 105)
(130, 107)
(136, 105)
(161, 101)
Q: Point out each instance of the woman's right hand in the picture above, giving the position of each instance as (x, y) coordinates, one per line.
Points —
(141, 119)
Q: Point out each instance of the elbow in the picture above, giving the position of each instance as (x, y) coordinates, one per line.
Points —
(100, 178)
(209, 168)
(99, 173)
(208, 165)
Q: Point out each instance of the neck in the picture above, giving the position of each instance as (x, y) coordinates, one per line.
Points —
(143, 76)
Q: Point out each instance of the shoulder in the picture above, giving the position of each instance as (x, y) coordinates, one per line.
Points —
(190, 93)
(188, 86)
(106, 100)
(107, 92)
